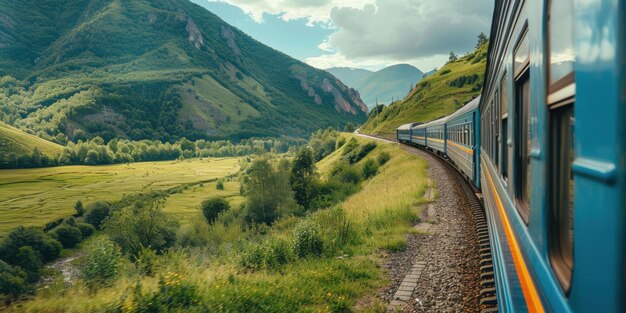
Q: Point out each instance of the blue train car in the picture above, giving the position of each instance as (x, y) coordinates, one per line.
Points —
(433, 134)
(419, 135)
(553, 153)
(403, 133)
(462, 140)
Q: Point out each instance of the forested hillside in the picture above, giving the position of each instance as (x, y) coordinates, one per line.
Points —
(148, 69)
(438, 95)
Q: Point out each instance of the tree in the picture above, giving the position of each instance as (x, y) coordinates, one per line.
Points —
(80, 210)
(303, 178)
(68, 236)
(36, 157)
(48, 248)
(97, 212)
(349, 128)
(211, 208)
(29, 260)
(143, 225)
(12, 280)
(453, 57)
(268, 192)
(482, 39)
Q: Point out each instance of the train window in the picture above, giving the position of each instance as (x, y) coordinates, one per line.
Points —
(522, 56)
(561, 50)
(496, 139)
(562, 184)
(504, 109)
(523, 186)
(561, 98)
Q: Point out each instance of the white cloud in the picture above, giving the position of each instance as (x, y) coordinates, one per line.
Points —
(314, 11)
(408, 29)
(374, 64)
(373, 33)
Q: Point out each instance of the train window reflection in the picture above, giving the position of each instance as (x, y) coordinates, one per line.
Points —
(562, 208)
(561, 44)
(523, 186)
(522, 55)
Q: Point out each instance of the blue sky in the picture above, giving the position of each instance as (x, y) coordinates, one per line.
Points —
(369, 34)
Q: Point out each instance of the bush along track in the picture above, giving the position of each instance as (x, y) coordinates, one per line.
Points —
(314, 246)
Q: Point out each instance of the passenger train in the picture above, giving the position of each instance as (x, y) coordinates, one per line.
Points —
(546, 144)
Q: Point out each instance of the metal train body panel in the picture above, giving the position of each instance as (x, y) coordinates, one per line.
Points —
(533, 131)
(525, 215)
(460, 138)
(419, 136)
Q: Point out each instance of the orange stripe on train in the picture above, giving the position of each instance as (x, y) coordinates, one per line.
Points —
(528, 287)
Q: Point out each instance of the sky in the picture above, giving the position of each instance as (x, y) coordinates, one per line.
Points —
(367, 34)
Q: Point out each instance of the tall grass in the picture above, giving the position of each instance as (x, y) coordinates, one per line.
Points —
(278, 268)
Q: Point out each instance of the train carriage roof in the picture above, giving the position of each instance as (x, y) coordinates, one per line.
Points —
(436, 122)
(405, 126)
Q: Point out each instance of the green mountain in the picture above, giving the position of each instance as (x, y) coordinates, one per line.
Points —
(154, 69)
(394, 81)
(438, 95)
(349, 75)
(20, 144)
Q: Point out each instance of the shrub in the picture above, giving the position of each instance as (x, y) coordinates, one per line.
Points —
(370, 168)
(100, 266)
(144, 225)
(68, 236)
(357, 156)
(270, 254)
(338, 230)
(12, 280)
(278, 253)
(70, 221)
(29, 260)
(48, 248)
(444, 72)
(85, 229)
(307, 240)
(383, 158)
(194, 235)
(173, 294)
(219, 185)
(347, 174)
(251, 257)
(211, 208)
(97, 212)
(350, 146)
(350, 127)
(147, 261)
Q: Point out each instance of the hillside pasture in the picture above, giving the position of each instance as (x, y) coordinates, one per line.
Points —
(17, 142)
(34, 197)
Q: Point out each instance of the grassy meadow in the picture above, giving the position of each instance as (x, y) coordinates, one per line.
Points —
(17, 142)
(34, 197)
(344, 278)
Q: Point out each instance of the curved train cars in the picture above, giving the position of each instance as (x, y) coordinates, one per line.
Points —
(546, 144)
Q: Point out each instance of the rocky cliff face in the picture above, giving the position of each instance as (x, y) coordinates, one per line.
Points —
(164, 69)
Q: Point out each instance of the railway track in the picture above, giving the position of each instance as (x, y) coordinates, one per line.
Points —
(479, 274)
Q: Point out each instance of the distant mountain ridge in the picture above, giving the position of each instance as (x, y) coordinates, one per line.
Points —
(438, 95)
(148, 69)
(391, 82)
